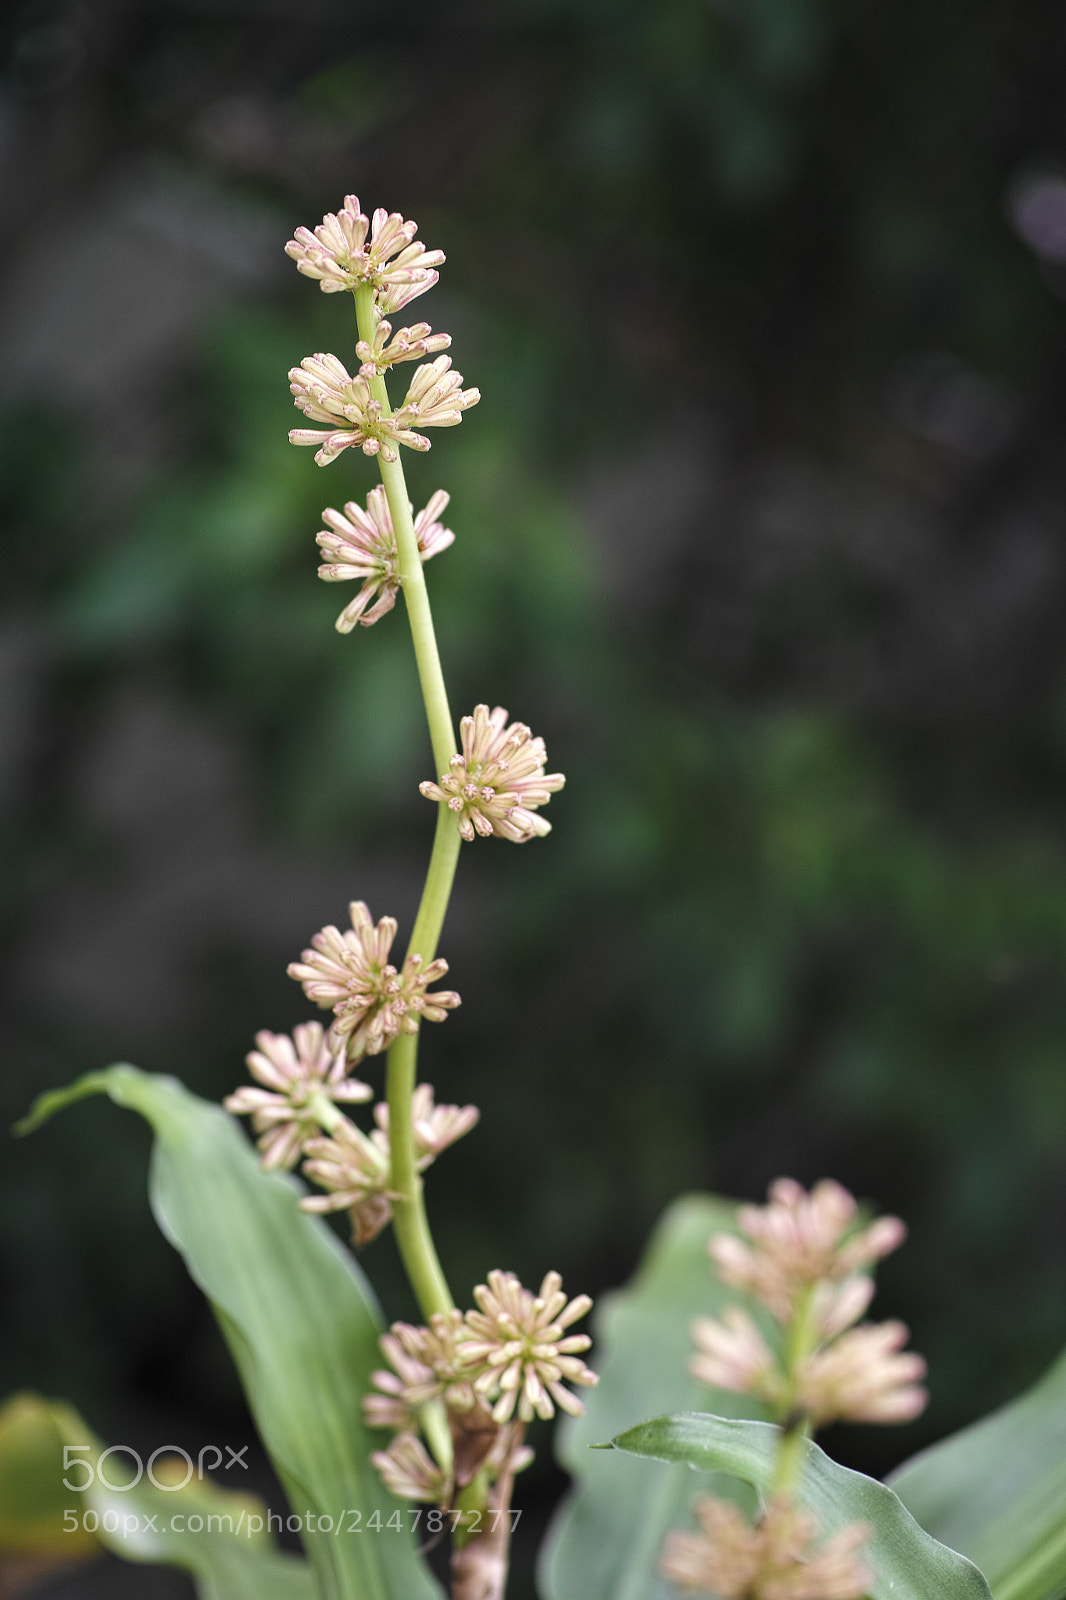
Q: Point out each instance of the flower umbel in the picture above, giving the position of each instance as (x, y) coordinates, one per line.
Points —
(356, 1169)
(800, 1240)
(426, 1365)
(408, 1470)
(350, 973)
(517, 1349)
(324, 390)
(362, 544)
(771, 1561)
(341, 256)
(865, 1376)
(296, 1072)
(435, 1127)
(732, 1354)
(497, 783)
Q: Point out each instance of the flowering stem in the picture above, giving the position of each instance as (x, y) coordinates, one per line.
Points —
(802, 1339)
(409, 1213)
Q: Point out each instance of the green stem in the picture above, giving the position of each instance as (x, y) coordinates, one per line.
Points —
(410, 1222)
(802, 1339)
(790, 1454)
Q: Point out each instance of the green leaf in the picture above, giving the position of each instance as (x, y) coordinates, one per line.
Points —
(910, 1564)
(997, 1492)
(605, 1540)
(33, 1497)
(226, 1549)
(299, 1318)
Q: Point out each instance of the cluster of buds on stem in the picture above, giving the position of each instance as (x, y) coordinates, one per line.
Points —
(804, 1259)
(297, 1117)
(490, 1372)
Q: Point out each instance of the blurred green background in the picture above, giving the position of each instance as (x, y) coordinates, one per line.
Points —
(761, 522)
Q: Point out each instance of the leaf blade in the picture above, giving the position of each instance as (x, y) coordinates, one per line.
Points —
(997, 1491)
(300, 1320)
(909, 1563)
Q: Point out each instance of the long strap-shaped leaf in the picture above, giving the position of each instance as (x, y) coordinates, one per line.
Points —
(910, 1564)
(298, 1316)
(997, 1491)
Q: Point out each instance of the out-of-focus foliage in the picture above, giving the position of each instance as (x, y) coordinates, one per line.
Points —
(906, 1562)
(995, 1492)
(759, 523)
(301, 1324)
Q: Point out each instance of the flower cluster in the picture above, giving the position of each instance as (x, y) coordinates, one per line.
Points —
(492, 1369)
(356, 1169)
(362, 545)
(372, 1001)
(805, 1262)
(298, 1075)
(341, 256)
(497, 783)
(771, 1561)
(805, 1266)
(297, 1118)
(799, 1242)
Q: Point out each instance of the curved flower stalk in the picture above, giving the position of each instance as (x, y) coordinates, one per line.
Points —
(372, 1001)
(363, 545)
(461, 1389)
(496, 785)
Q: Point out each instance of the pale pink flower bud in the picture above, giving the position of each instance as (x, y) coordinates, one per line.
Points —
(496, 785)
(800, 1240)
(408, 1470)
(732, 1354)
(771, 1561)
(863, 1377)
(837, 1305)
(296, 1071)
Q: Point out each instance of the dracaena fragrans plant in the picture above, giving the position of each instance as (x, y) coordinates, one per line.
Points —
(388, 1440)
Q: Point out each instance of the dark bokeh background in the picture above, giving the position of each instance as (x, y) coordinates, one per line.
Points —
(761, 522)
